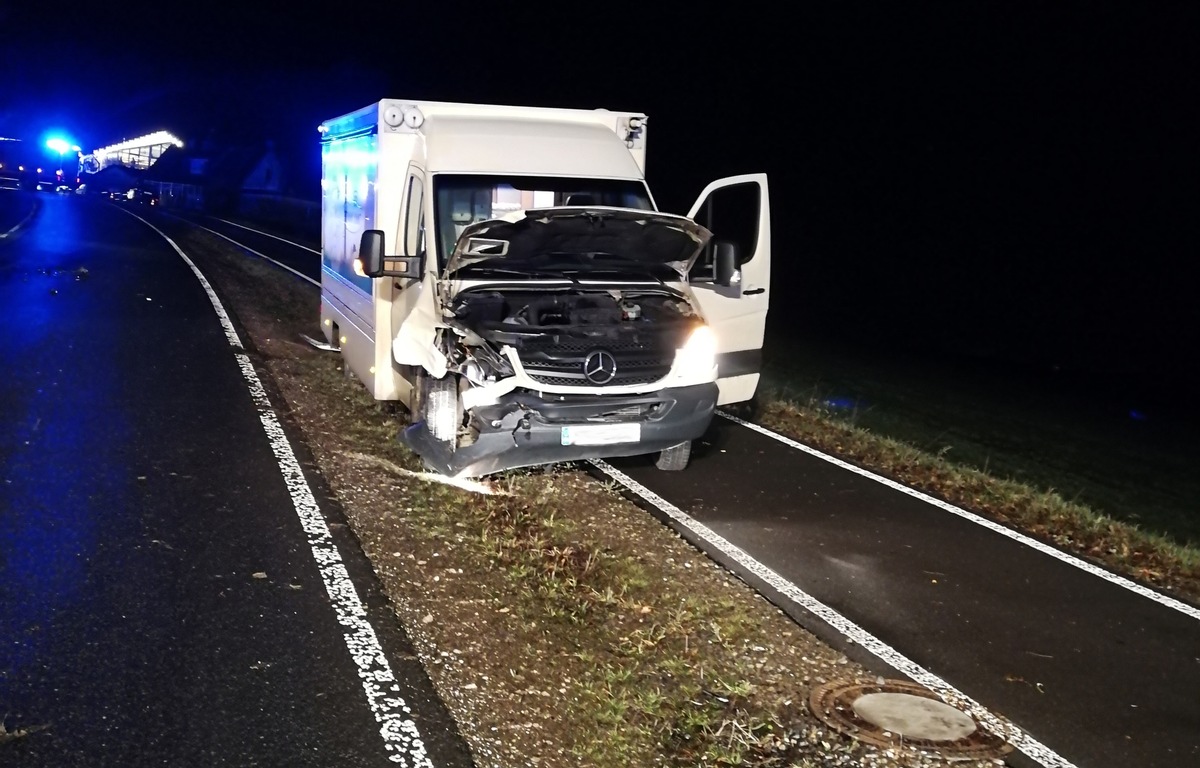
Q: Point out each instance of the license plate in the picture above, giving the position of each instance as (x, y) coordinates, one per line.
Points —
(601, 434)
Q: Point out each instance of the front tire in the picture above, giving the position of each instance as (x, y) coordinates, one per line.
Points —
(441, 409)
(674, 458)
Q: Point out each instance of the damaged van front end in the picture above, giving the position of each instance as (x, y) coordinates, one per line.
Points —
(563, 334)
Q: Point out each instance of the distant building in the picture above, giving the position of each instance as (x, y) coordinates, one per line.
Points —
(140, 153)
(178, 178)
(218, 179)
(246, 179)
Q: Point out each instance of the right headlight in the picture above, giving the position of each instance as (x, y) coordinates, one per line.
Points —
(698, 355)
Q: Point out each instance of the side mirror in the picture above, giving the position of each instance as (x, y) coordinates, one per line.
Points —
(375, 264)
(725, 263)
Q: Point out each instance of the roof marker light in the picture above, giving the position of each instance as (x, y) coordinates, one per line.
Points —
(414, 118)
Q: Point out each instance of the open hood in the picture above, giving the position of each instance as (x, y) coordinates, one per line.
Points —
(573, 237)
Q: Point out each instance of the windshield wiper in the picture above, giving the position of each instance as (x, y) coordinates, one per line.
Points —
(547, 273)
(625, 268)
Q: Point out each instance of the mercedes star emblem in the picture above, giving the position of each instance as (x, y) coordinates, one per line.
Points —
(599, 367)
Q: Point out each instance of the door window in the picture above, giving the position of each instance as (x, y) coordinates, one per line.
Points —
(731, 214)
(414, 225)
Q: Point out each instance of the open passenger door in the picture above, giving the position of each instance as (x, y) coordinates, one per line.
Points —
(736, 209)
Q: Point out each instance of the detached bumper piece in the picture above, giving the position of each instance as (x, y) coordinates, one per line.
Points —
(524, 429)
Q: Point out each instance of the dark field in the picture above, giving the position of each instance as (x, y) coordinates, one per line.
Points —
(1119, 450)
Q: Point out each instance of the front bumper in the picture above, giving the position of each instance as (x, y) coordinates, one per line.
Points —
(524, 430)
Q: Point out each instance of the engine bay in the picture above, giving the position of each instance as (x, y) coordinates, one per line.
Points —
(553, 330)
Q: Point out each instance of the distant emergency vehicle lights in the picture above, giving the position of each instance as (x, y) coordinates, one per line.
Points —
(61, 146)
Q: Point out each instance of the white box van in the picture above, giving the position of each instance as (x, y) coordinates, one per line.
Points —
(505, 274)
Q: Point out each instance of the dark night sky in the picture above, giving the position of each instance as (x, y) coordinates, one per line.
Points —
(1008, 178)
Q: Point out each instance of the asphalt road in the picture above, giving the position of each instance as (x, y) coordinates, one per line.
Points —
(1098, 671)
(176, 586)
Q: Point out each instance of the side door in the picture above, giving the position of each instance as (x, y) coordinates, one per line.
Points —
(736, 209)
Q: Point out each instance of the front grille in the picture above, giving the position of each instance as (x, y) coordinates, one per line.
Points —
(568, 372)
(642, 356)
(561, 345)
(618, 381)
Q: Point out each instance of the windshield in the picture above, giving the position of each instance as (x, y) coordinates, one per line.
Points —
(461, 199)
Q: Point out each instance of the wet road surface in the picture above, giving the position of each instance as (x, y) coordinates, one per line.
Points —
(160, 600)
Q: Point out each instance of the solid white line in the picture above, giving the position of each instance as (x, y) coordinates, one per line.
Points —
(397, 727)
(256, 253)
(245, 247)
(266, 234)
(893, 658)
(1045, 549)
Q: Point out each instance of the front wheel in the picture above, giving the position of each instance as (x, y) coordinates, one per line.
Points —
(441, 409)
(674, 458)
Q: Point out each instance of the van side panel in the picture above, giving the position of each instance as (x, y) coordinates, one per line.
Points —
(349, 172)
(349, 175)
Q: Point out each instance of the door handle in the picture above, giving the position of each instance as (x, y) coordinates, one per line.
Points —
(753, 291)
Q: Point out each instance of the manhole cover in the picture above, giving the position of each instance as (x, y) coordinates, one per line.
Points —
(891, 712)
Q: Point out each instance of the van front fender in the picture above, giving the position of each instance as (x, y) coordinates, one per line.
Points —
(416, 336)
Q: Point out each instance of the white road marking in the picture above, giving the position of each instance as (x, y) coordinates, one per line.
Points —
(397, 727)
(893, 658)
(245, 247)
(1045, 549)
(266, 234)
